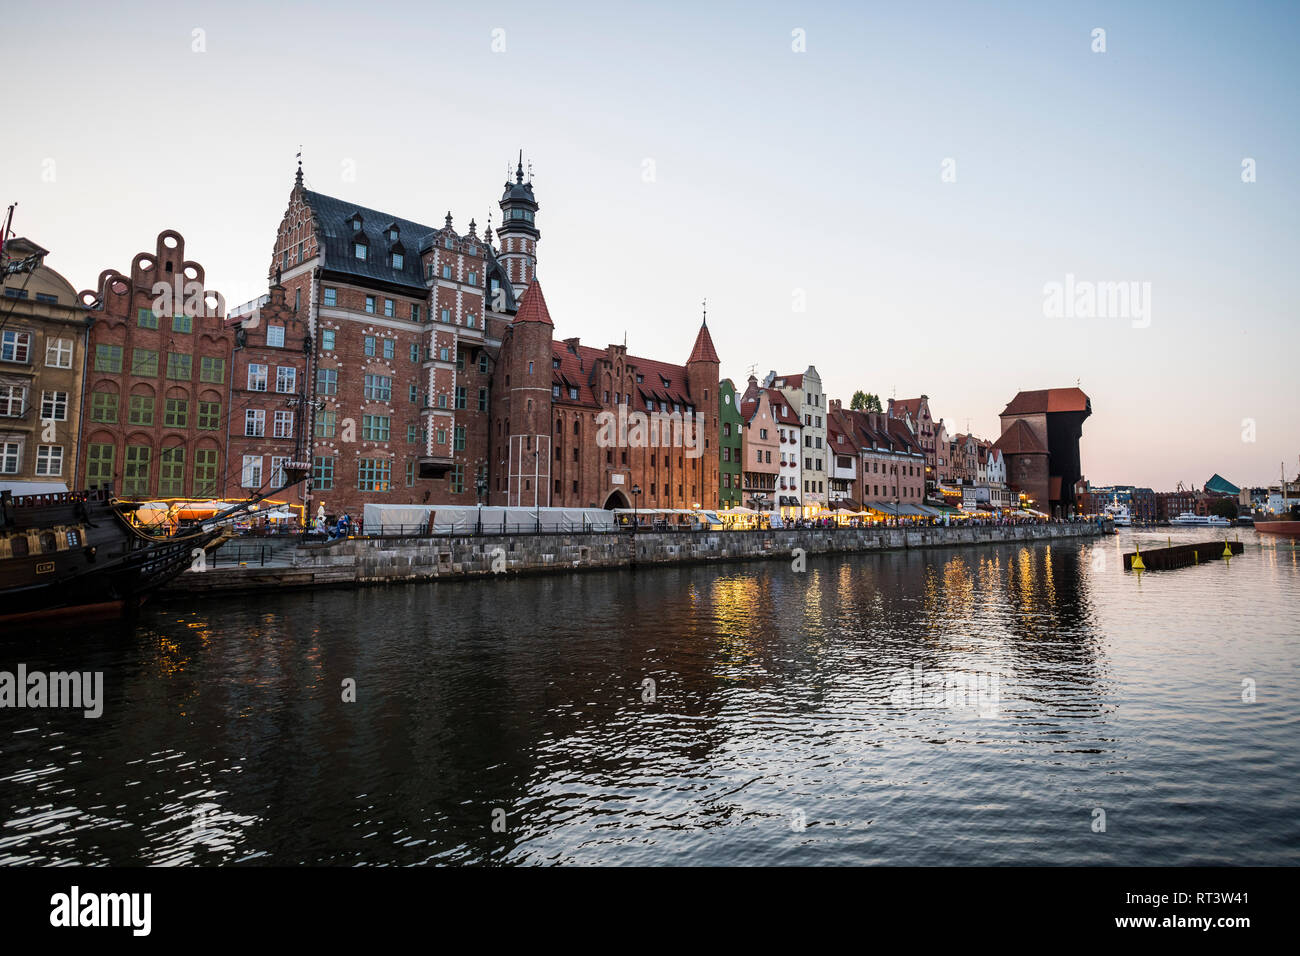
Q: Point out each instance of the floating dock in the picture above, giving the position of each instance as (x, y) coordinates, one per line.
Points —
(1181, 555)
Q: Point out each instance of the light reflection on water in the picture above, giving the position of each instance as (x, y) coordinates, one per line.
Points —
(778, 733)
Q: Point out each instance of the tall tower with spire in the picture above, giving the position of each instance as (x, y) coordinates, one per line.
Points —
(518, 233)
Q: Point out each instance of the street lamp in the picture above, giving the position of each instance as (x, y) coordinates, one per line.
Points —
(636, 497)
(480, 486)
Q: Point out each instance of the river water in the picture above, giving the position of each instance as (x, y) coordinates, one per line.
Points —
(979, 705)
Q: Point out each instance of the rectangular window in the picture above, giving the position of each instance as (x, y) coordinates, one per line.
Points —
(441, 436)
(331, 297)
(410, 433)
(103, 407)
(444, 354)
(390, 308)
(415, 313)
(322, 475)
(171, 472)
(359, 250)
(457, 479)
(325, 424)
(254, 423)
(327, 340)
(473, 278)
(410, 473)
(49, 461)
(176, 412)
(257, 377)
(446, 272)
(460, 396)
(413, 394)
(205, 472)
(275, 336)
(286, 379)
(375, 427)
(140, 411)
(54, 406)
(144, 362)
(397, 260)
(327, 381)
(182, 323)
(209, 416)
(11, 454)
(283, 425)
(135, 475)
(58, 353)
(415, 353)
(99, 465)
(370, 345)
(277, 470)
(180, 365)
(446, 316)
(251, 474)
(458, 441)
(146, 318)
(108, 358)
(482, 399)
(212, 369)
(378, 388)
(370, 307)
(17, 347)
(373, 474)
(390, 348)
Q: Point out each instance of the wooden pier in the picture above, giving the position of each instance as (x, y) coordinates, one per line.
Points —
(1182, 555)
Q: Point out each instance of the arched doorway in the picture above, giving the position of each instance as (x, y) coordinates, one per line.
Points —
(616, 499)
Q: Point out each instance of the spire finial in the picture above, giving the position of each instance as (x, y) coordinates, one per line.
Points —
(705, 305)
(297, 179)
(519, 170)
(448, 221)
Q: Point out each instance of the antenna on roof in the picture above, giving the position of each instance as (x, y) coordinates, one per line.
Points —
(705, 306)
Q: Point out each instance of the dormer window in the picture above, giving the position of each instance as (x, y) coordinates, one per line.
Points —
(356, 225)
(448, 243)
(397, 260)
(392, 233)
(359, 250)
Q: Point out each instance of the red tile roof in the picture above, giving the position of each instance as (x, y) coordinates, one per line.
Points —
(532, 307)
(1020, 439)
(704, 350)
(1047, 400)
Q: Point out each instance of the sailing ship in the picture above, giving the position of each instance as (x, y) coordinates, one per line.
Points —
(79, 554)
(1283, 527)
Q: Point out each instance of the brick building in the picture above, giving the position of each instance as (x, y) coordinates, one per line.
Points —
(1040, 441)
(931, 434)
(893, 462)
(761, 450)
(42, 357)
(157, 389)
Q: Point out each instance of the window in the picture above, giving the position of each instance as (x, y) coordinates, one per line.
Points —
(146, 318)
(103, 407)
(286, 379)
(390, 348)
(275, 336)
(482, 362)
(446, 272)
(171, 472)
(54, 406)
(176, 413)
(373, 474)
(206, 472)
(444, 354)
(283, 426)
(412, 394)
(415, 353)
(359, 250)
(99, 465)
(325, 424)
(482, 399)
(135, 475)
(442, 436)
(411, 434)
(375, 427)
(458, 439)
(182, 323)
(257, 377)
(573, 393)
(469, 321)
(254, 423)
(445, 316)
(209, 416)
(58, 353)
(108, 358)
(390, 308)
(322, 475)
(212, 369)
(415, 313)
(473, 278)
(370, 307)
(144, 362)
(370, 345)
(410, 473)
(378, 388)
(140, 410)
(327, 340)
(11, 453)
(460, 396)
(397, 260)
(277, 470)
(457, 479)
(327, 381)
(179, 365)
(49, 460)
(331, 298)
(251, 474)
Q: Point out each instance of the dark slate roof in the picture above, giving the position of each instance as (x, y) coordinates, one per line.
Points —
(1049, 400)
(338, 237)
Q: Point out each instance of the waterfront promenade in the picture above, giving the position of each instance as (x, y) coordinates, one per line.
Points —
(372, 560)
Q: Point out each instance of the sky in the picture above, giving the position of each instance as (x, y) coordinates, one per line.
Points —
(884, 191)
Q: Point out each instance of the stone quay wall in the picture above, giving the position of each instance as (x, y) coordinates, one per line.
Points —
(365, 560)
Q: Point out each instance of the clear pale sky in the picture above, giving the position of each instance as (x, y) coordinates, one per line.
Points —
(773, 171)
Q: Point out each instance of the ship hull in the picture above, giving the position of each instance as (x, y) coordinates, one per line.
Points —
(1285, 529)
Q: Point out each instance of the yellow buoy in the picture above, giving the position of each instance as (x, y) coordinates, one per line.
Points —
(1136, 564)
(1227, 549)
